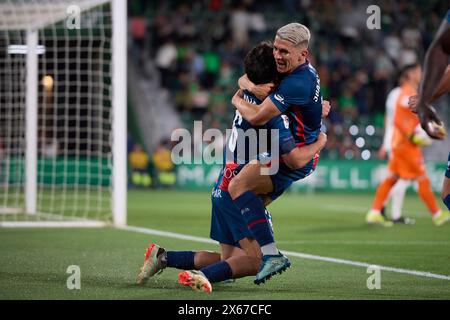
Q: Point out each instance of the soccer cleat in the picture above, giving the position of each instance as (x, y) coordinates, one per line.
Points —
(196, 280)
(442, 218)
(375, 217)
(270, 266)
(403, 220)
(153, 263)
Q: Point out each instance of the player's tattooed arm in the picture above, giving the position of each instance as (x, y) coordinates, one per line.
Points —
(300, 156)
(261, 91)
(256, 115)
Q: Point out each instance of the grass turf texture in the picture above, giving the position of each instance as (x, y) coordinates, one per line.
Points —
(33, 262)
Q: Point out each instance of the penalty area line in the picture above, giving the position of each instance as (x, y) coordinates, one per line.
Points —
(289, 253)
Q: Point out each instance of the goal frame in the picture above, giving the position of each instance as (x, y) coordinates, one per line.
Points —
(119, 123)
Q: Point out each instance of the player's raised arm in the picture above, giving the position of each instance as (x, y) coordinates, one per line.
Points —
(257, 115)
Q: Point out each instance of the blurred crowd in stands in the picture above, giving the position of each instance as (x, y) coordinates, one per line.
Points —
(150, 172)
(199, 45)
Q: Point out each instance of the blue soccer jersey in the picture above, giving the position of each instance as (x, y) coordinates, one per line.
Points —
(448, 16)
(227, 223)
(299, 97)
(241, 149)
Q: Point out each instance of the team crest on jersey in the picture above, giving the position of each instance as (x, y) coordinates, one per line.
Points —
(279, 98)
(285, 121)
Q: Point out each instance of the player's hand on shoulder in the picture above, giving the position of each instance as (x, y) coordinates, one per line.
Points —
(326, 107)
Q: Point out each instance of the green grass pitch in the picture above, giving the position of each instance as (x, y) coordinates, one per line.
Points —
(33, 262)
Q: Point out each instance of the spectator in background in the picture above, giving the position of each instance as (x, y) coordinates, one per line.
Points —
(347, 102)
(164, 166)
(139, 164)
(138, 26)
(49, 148)
(240, 24)
(200, 45)
(165, 60)
(360, 82)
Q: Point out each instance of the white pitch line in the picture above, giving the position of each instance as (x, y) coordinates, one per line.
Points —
(366, 242)
(289, 253)
(167, 234)
(366, 265)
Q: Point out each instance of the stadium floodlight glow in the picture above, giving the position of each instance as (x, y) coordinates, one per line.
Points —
(360, 142)
(63, 112)
(370, 130)
(353, 130)
(365, 155)
(47, 82)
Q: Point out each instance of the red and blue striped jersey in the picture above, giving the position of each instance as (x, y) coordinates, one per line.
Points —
(299, 97)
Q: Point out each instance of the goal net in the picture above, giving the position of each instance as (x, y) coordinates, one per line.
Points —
(62, 112)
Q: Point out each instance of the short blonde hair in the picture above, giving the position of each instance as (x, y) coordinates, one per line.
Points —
(296, 33)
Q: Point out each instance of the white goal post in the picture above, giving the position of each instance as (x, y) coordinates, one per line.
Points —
(63, 113)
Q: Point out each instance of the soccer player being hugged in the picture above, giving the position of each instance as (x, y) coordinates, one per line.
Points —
(240, 253)
(299, 98)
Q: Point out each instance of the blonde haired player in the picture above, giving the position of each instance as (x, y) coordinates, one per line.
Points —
(406, 160)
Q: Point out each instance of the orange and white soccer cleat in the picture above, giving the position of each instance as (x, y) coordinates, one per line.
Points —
(153, 263)
(196, 280)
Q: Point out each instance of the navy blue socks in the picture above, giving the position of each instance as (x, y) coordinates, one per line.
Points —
(253, 212)
(181, 259)
(216, 272)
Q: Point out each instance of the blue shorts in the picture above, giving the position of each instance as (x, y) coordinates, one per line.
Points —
(227, 224)
(447, 172)
(285, 177)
